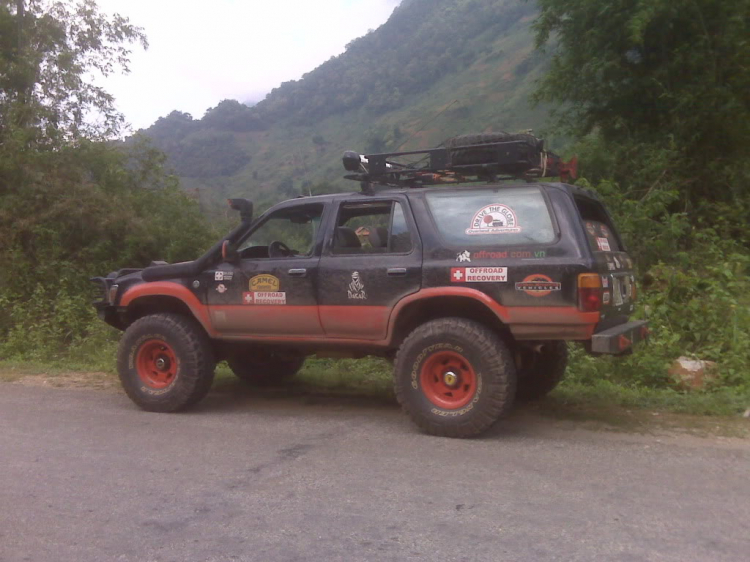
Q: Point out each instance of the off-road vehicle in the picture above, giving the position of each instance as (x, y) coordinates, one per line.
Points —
(471, 290)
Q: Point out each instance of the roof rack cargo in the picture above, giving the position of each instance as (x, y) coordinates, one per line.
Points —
(464, 159)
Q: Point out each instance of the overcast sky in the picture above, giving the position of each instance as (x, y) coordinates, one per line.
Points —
(202, 52)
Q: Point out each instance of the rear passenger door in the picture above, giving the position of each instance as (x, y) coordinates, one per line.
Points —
(372, 258)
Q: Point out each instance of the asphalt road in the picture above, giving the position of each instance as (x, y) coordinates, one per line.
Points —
(85, 476)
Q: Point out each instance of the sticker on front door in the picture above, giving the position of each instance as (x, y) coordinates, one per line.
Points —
(356, 289)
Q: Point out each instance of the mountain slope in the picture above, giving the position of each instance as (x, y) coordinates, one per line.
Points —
(435, 69)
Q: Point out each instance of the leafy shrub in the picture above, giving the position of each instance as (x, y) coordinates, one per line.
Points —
(695, 292)
(85, 212)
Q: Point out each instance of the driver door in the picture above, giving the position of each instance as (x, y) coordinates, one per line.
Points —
(271, 291)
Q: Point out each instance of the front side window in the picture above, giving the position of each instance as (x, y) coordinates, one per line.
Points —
(377, 227)
(475, 218)
(286, 232)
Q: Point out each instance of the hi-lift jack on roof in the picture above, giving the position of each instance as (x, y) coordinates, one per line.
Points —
(469, 158)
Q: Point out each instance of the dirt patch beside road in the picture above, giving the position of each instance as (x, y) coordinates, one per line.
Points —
(61, 379)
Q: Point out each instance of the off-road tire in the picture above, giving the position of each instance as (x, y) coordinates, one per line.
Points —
(476, 156)
(544, 373)
(263, 371)
(194, 362)
(486, 355)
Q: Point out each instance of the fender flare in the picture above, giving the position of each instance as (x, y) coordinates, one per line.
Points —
(521, 320)
(172, 290)
(498, 310)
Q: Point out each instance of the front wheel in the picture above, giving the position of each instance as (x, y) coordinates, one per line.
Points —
(165, 362)
(454, 377)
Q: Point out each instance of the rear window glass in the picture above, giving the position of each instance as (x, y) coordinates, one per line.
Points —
(599, 230)
(508, 216)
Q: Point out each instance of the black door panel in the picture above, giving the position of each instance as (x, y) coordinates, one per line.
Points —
(362, 279)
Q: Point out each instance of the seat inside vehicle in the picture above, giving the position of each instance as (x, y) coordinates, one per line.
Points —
(378, 236)
(347, 238)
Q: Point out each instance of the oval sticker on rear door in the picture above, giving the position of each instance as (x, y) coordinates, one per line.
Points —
(538, 285)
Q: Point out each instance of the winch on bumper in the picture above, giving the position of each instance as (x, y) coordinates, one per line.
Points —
(620, 339)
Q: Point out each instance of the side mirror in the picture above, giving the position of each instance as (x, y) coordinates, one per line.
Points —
(245, 208)
(229, 252)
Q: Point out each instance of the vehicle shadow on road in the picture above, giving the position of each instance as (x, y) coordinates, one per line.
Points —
(525, 420)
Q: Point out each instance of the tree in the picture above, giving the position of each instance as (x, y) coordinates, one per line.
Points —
(655, 74)
(231, 115)
(48, 53)
(72, 206)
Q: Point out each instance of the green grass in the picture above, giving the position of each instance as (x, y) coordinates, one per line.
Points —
(720, 402)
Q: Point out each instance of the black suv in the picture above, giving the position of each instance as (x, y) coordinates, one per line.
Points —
(472, 290)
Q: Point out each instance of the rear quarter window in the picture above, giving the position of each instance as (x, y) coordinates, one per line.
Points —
(600, 232)
(481, 218)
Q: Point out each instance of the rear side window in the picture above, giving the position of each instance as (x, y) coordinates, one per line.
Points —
(372, 228)
(600, 231)
(481, 218)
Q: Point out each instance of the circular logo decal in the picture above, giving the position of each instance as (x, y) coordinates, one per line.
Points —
(494, 219)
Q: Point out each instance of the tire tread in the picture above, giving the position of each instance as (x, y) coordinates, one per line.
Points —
(501, 388)
(196, 366)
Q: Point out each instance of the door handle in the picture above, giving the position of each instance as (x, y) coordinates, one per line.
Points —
(396, 271)
(297, 272)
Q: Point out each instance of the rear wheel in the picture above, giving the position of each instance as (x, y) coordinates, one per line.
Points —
(165, 362)
(542, 371)
(262, 367)
(454, 377)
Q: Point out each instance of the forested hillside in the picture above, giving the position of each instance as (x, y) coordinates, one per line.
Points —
(437, 68)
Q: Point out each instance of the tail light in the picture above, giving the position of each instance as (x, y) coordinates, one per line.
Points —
(633, 289)
(589, 292)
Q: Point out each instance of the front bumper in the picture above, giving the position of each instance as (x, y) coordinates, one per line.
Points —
(620, 339)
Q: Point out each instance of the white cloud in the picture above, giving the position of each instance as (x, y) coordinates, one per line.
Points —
(202, 52)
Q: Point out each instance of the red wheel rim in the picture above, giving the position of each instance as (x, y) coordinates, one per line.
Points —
(156, 364)
(448, 380)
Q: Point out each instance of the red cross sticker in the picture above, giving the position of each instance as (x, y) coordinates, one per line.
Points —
(457, 274)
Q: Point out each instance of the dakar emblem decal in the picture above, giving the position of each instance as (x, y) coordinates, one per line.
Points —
(494, 219)
(356, 288)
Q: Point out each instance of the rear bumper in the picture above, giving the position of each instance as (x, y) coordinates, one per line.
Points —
(620, 339)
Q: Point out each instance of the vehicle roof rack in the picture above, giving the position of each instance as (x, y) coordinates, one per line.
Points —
(487, 157)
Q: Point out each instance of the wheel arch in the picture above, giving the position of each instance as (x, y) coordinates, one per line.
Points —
(161, 297)
(433, 304)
